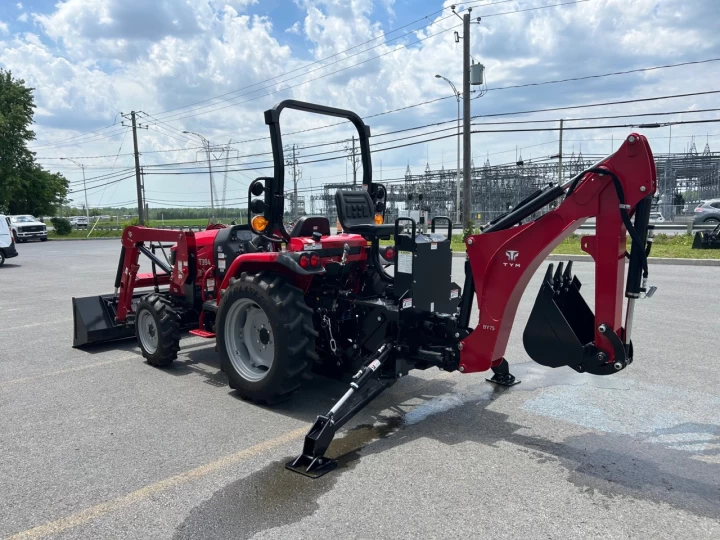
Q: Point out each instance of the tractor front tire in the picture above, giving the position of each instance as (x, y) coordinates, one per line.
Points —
(265, 337)
(157, 327)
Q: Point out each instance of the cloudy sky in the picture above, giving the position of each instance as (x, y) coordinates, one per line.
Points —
(213, 67)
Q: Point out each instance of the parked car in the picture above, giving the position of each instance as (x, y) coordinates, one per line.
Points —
(7, 242)
(707, 212)
(79, 221)
(656, 217)
(26, 227)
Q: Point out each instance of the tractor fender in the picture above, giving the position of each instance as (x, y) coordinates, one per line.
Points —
(284, 263)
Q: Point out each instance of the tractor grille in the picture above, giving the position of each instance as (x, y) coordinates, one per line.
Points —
(32, 228)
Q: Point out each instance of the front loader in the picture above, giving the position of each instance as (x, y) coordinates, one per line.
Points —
(282, 304)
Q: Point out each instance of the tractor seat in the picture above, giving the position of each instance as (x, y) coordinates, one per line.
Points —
(307, 225)
(356, 212)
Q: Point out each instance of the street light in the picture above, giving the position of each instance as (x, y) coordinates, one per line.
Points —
(206, 144)
(87, 210)
(457, 182)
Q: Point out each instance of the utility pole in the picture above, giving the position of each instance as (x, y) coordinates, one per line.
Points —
(138, 180)
(212, 186)
(457, 179)
(87, 208)
(296, 175)
(294, 165)
(354, 160)
(354, 163)
(467, 153)
(82, 166)
(206, 145)
(560, 163)
(145, 208)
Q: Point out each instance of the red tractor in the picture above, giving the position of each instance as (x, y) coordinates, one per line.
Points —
(281, 305)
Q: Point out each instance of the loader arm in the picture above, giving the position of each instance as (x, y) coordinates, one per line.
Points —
(503, 259)
(128, 279)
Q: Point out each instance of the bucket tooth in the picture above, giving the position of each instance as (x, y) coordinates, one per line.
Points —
(567, 276)
(549, 274)
(558, 277)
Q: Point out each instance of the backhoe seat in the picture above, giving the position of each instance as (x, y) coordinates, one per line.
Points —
(356, 213)
(307, 225)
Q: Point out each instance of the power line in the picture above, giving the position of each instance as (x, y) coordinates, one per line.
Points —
(320, 61)
(175, 118)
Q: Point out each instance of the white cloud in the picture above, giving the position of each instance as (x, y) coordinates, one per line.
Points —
(294, 29)
(119, 55)
(19, 5)
(23, 17)
(236, 4)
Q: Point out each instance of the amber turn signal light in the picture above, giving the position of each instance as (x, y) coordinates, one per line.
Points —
(259, 223)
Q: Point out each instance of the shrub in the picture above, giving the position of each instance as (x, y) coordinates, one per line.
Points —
(62, 226)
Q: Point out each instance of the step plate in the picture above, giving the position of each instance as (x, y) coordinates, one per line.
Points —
(202, 333)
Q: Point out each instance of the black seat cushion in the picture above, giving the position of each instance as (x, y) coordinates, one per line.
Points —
(356, 213)
(307, 225)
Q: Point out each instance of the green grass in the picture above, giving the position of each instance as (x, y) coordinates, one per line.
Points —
(664, 246)
(82, 234)
(675, 247)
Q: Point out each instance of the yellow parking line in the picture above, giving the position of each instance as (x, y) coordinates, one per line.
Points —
(62, 524)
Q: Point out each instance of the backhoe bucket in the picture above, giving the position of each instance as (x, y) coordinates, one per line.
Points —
(561, 323)
(707, 240)
(94, 321)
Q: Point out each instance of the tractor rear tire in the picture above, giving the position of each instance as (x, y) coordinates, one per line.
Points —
(157, 328)
(265, 337)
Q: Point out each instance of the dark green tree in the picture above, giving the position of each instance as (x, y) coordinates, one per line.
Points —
(25, 188)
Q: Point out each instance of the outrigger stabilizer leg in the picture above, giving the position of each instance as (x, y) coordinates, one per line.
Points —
(312, 462)
(502, 376)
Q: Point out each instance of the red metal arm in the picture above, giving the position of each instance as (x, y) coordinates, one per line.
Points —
(503, 262)
(133, 237)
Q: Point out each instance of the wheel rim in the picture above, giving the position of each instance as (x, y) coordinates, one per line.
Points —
(147, 331)
(249, 340)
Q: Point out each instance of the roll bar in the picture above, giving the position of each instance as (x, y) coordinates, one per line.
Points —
(274, 193)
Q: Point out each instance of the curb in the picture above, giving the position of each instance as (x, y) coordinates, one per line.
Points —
(84, 239)
(651, 260)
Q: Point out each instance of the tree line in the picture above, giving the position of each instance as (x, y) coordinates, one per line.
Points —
(25, 187)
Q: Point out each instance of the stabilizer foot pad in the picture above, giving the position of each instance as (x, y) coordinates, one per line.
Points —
(202, 333)
(503, 379)
(312, 468)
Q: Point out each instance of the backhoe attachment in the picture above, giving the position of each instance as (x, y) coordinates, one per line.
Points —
(562, 329)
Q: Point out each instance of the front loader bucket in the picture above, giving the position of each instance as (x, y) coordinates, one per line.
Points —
(561, 323)
(94, 321)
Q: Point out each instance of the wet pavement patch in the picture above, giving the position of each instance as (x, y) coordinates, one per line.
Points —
(273, 496)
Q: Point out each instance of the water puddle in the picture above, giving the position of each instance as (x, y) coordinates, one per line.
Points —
(273, 496)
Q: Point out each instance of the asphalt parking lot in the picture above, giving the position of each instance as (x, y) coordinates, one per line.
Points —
(97, 444)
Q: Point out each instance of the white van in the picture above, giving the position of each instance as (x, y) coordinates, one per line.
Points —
(7, 242)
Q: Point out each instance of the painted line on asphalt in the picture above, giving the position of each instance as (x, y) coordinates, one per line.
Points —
(82, 517)
(44, 323)
(63, 371)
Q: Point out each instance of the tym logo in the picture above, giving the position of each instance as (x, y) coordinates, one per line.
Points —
(512, 257)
